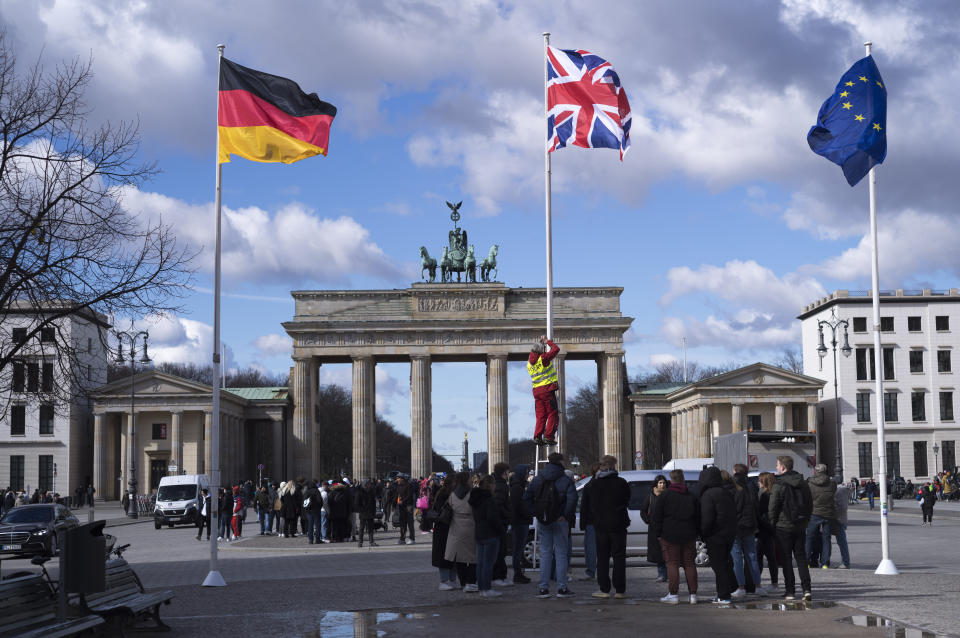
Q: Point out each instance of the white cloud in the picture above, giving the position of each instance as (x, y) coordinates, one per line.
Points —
(758, 332)
(661, 359)
(274, 344)
(175, 339)
(453, 422)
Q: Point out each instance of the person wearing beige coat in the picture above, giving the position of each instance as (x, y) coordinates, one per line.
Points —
(461, 541)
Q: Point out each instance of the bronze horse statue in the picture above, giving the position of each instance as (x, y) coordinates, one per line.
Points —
(427, 263)
(488, 264)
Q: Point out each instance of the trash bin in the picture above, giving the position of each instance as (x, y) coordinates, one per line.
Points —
(84, 550)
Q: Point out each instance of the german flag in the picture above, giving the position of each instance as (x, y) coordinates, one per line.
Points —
(267, 118)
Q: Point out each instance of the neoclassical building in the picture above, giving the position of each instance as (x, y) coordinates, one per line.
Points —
(680, 420)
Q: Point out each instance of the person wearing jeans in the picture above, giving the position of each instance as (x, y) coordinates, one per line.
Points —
(745, 542)
(553, 526)
(823, 492)
(520, 520)
(487, 532)
(745, 546)
(790, 534)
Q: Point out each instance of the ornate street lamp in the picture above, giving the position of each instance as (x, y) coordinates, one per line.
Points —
(132, 338)
(936, 461)
(833, 323)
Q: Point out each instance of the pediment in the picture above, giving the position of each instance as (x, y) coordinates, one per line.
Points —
(760, 375)
(154, 383)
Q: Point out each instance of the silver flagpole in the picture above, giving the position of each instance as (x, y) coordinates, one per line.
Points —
(549, 230)
(214, 579)
(886, 566)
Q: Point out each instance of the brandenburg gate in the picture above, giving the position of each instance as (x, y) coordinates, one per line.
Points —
(483, 321)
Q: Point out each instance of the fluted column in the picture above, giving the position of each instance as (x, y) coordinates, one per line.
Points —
(602, 392)
(736, 417)
(684, 438)
(302, 440)
(496, 410)
(639, 434)
(811, 417)
(558, 365)
(674, 435)
(780, 421)
(703, 433)
(275, 467)
(364, 464)
(176, 441)
(613, 407)
(208, 446)
(99, 454)
(421, 441)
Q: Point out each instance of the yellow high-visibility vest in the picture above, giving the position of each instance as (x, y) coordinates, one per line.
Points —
(542, 374)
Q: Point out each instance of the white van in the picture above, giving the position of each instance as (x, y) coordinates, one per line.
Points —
(178, 499)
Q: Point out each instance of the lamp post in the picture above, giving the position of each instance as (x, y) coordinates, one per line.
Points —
(834, 323)
(132, 338)
(936, 461)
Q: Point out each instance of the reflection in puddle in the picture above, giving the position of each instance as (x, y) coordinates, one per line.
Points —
(793, 605)
(899, 631)
(359, 624)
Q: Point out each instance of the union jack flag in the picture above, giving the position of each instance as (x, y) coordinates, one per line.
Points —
(586, 106)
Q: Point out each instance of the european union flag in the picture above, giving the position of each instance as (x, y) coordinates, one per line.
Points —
(851, 129)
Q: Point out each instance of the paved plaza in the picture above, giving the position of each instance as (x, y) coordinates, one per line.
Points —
(285, 587)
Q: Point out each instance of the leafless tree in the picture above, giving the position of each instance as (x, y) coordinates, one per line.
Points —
(790, 359)
(68, 246)
(672, 372)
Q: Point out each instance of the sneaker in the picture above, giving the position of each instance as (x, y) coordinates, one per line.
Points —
(660, 579)
(490, 593)
(842, 566)
(739, 594)
(600, 594)
(670, 599)
(502, 582)
(807, 596)
(619, 595)
(565, 593)
(471, 588)
(693, 599)
(547, 441)
(538, 440)
(824, 566)
(445, 587)
(454, 584)
(219, 538)
(789, 596)
(543, 593)
(198, 538)
(401, 542)
(587, 576)
(410, 541)
(520, 579)
(722, 601)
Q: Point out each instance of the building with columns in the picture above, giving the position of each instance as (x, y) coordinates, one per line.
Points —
(680, 420)
(481, 322)
(173, 422)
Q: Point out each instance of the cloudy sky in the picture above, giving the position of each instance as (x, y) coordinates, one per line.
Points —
(720, 223)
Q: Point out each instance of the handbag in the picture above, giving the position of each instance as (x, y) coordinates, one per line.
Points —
(423, 502)
(446, 515)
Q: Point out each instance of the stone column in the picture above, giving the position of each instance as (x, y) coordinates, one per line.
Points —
(613, 407)
(780, 421)
(364, 463)
(496, 410)
(421, 439)
(276, 461)
(640, 417)
(602, 390)
(176, 441)
(682, 436)
(558, 365)
(208, 446)
(99, 454)
(736, 417)
(674, 435)
(811, 417)
(704, 433)
(302, 439)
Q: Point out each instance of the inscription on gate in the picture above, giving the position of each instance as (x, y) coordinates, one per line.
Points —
(458, 304)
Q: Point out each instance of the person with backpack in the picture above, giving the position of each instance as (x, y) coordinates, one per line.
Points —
(675, 523)
(312, 504)
(744, 551)
(366, 511)
(823, 492)
(609, 497)
(553, 498)
(718, 528)
(264, 507)
(927, 499)
(790, 508)
(406, 499)
(520, 520)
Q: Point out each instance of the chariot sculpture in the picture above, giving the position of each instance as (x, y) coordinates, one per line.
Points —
(458, 257)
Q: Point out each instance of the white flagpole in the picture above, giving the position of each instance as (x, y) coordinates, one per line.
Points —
(549, 229)
(886, 566)
(214, 579)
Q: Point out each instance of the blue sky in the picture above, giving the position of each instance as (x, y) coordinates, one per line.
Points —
(720, 223)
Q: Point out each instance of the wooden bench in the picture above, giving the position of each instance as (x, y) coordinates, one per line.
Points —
(125, 600)
(27, 609)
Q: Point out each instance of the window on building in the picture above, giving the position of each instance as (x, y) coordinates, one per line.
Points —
(913, 324)
(893, 458)
(16, 472)
(89, 344)
(919, 458)
(863, 407)
(19, 335)
(916, 361)
(753, 422)
(33, 377)
(917, 400)
(865, 451)
(890, 406)
(45, 478)
(886, 324)
(943, 323)
(46, 377)
(889, 374)
(46, 419)
(864, 363)
(949, 455)
(18, 420)
(19, 376)
(943, 361)
(46, 335)
(859, 324)
(946, 406)
(159, 431)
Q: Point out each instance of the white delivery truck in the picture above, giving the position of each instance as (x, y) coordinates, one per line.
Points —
(759, 451)
(178, 499)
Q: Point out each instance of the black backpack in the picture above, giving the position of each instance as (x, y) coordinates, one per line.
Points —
(547, 505)
(795, 504)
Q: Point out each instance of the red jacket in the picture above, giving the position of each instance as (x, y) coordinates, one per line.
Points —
(545, 358)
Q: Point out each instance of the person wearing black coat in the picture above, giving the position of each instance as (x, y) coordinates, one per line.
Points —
(406, 499)
(654, 551)
(301, 513)
(224, 514)
(501, 496)
(448, 575)
(718, 528)
(489, 528)
(609, 498)
(766, 541)
(676, 523)
(366, 510)
(289, 509)
(313, 510)
(520, 520)
(745, 544)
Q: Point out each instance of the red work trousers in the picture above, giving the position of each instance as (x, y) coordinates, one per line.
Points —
(547, 415)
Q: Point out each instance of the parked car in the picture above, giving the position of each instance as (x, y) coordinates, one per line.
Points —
(35, 530)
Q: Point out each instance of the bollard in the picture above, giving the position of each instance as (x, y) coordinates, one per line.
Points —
(90, 516)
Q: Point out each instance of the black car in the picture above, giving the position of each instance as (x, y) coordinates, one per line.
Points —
(35, 530)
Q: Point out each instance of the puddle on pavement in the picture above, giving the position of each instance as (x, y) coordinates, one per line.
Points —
(359, 624)
(897, 630)
(793, 605)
